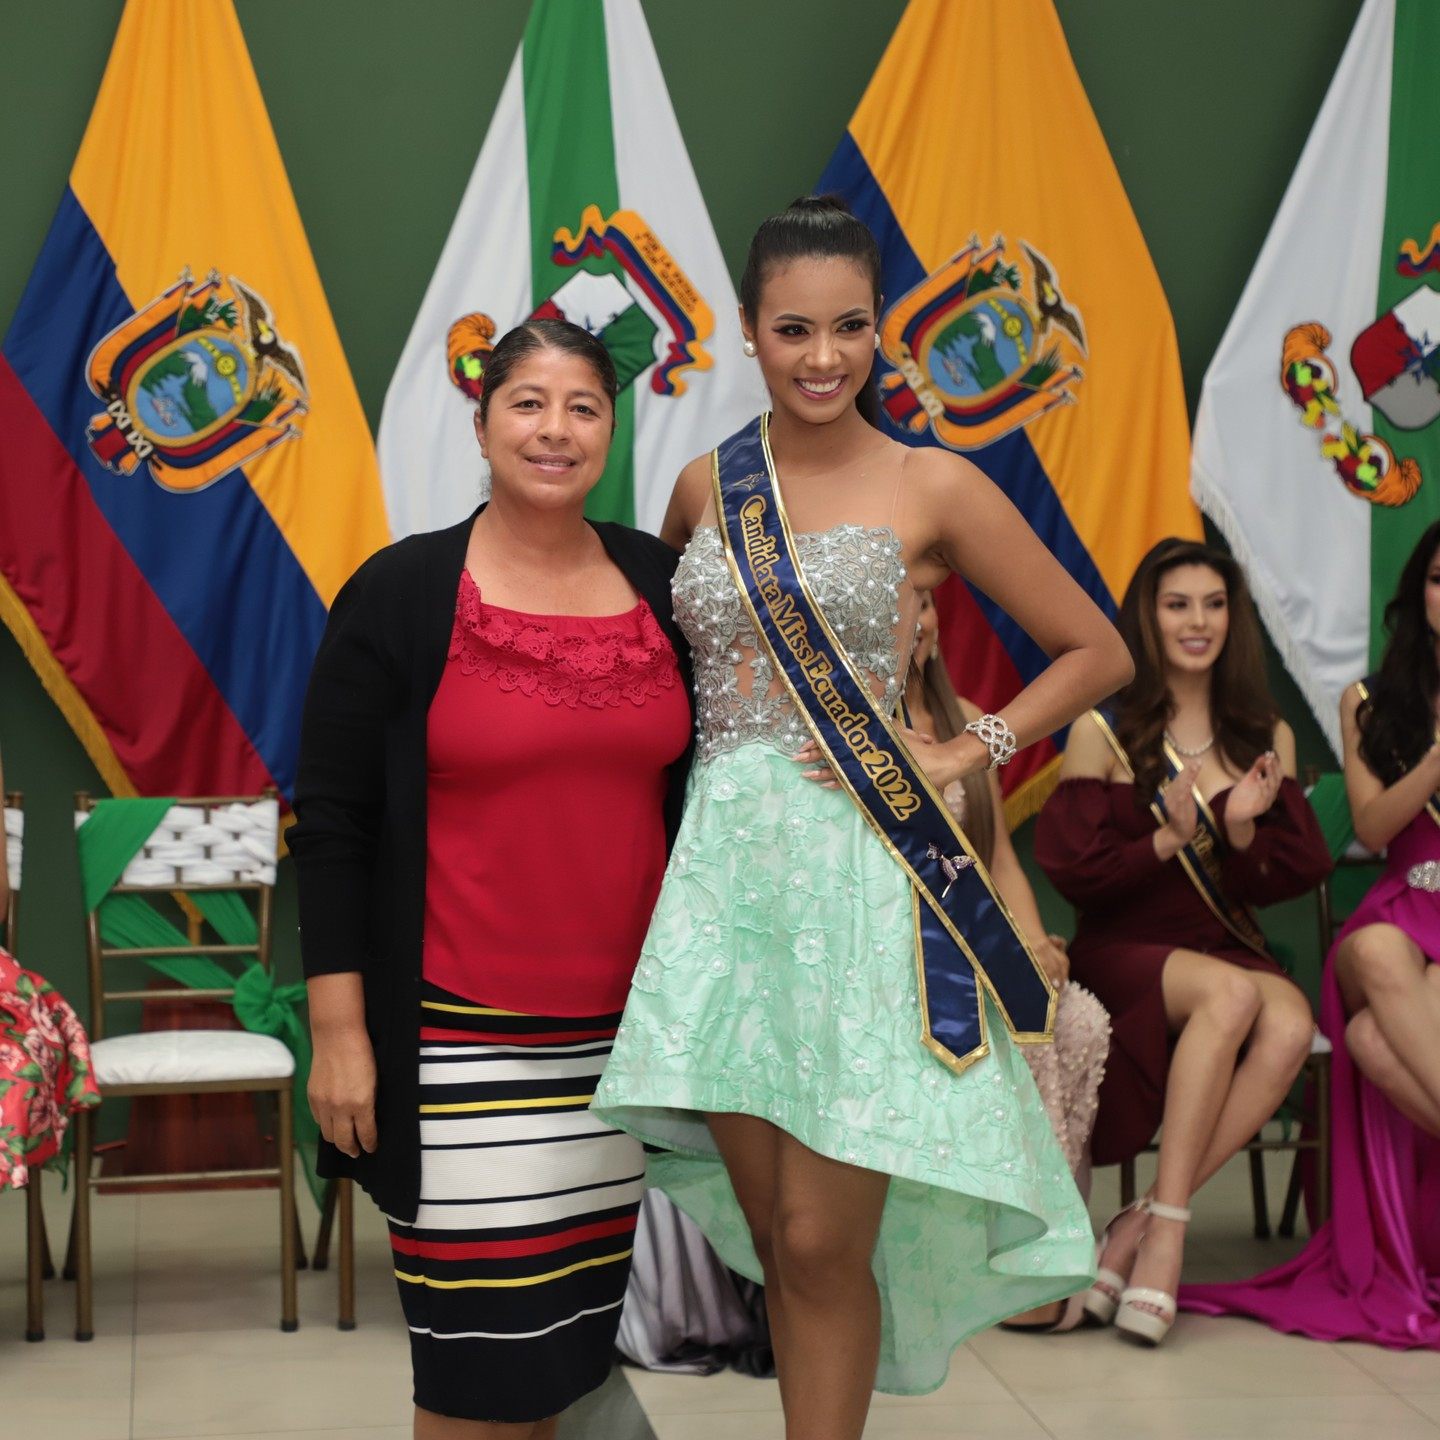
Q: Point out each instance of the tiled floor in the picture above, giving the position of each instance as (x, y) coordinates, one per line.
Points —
(187, 1344)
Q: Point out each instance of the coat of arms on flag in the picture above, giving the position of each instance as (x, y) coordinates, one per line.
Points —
(1317, 439)
(195, 384)
(980, 347)
(612, 306)
(1024, 322)
(582, 205)
(209, 481)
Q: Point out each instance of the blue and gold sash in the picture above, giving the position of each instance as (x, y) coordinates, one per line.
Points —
(1201, 856)
(1432, 805)
(958, 915)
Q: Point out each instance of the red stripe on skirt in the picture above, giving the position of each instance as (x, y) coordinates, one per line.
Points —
(504, 1249)
(430, 1035)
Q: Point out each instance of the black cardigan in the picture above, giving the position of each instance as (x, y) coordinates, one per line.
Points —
(359, 841)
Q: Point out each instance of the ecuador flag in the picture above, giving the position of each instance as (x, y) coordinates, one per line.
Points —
(1024, 322)
(187, 477)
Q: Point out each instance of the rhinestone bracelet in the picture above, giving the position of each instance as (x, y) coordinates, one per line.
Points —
(997, 736)
(1425, 876)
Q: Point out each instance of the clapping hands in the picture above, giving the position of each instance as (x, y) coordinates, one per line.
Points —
(1182, 813)
(1255, 792)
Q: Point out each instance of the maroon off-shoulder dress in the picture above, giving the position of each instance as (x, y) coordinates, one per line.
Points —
(1133, 909)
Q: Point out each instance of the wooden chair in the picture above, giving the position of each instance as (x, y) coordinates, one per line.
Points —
(38, 1265)
(211, 844)
(339, 1198)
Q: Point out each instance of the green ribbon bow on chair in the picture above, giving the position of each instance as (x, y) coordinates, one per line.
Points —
(108, 841)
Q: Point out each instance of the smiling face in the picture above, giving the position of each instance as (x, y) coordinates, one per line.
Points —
(1192, 610)
(814, 335)
(546, 430)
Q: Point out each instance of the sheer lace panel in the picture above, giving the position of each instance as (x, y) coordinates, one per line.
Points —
(855, 574)
(564, 659)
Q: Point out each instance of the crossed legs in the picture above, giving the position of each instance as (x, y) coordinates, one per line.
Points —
(1216, 1098)
(1392, 995)
(814, 1223)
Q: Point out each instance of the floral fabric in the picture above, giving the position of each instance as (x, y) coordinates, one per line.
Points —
(568, 660)
(44, 1071)
(778, 980)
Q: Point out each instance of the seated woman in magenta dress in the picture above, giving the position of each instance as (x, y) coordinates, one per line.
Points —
(1372, 1272)
(1173, 816)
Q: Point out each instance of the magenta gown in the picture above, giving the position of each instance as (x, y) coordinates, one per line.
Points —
(1372, 1272)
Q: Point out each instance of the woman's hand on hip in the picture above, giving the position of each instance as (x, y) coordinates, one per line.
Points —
(342, 1090)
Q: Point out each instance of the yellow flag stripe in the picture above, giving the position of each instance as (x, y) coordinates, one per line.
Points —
(180, 168)
(1129, 425)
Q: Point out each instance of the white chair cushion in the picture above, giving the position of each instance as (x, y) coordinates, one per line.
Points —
(169, 1057)
(1319, 1045)
(14, 843)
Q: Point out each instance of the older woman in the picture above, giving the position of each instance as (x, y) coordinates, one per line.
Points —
(495, 745)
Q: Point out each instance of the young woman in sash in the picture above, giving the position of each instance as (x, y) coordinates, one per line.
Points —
(1373, 1271)
(1176, 811)
(496, 738)
(805, 1033)
(1067, 1073)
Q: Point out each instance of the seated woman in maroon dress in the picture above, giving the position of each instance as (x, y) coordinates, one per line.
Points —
(1373, 1271)
(496, 739)
(1175, 813)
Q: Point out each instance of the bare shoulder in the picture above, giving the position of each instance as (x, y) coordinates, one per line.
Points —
(935, 474)
(687, 503)
(1350, 702)
(1282, 742)
(1088, 755)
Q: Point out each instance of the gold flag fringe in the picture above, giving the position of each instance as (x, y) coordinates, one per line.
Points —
(1032, 795)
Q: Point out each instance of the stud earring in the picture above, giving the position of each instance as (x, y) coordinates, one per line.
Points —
(877, 339)
(749, 348)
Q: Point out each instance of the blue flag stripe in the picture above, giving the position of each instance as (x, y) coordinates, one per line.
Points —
(215, 558)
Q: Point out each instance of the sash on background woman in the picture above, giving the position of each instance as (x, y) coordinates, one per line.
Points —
(1200, 855)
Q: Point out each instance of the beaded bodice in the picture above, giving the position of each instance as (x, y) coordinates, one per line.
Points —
(856, 576)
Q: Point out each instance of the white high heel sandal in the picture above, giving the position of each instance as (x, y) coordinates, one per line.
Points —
(1103, 1298)
(1145, 1325)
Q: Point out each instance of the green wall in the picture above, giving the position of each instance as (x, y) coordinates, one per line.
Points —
(379, 109)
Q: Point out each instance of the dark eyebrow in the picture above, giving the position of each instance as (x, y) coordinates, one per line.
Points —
(806, 320)
(573, 395)
(1184, 595)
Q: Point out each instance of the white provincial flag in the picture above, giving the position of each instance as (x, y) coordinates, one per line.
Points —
(1317, 442)
(581, 204)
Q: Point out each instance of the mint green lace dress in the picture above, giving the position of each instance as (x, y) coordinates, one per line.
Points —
(778, 980)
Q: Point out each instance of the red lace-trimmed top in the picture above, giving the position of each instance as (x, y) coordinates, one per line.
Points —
(547, 744)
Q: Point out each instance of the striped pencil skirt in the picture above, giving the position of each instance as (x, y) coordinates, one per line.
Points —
(514, 1272)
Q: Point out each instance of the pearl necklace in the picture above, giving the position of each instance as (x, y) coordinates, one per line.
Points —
(1195, 754)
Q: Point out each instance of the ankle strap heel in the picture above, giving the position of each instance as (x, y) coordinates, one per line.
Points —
(1167, 1212)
